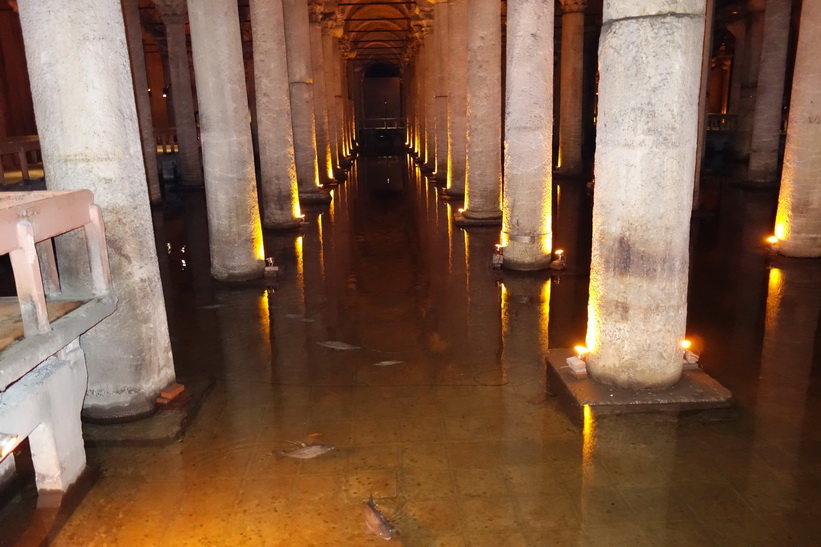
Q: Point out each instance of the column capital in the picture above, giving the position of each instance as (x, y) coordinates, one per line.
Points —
(573, 6)
(315, 10)
(172, 11)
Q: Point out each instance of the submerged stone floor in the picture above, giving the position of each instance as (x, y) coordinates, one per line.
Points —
(439, 411)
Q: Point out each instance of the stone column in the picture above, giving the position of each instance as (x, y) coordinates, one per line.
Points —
(457, 94)
(182, 98)
(318, 70)
(440, 16)
(331, 74)
(277, 166)
(298, 46)
(234, 232)
(748, 73)
(650, 59)
(798, 220)
(763, 167)
(528, 188)
(570, 97)
(76, 103)
(483, 184)
(133, 29)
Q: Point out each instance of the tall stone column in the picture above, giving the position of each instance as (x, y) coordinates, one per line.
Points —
(650, 59)
(234, 231)
(277, 166)
(763, 167)
(440, 37)
(748, 74)
(457, 95)
(321, 114)
(798, 220)
(182, 97)
(528, 188)
(90, 138)
(133, 29)
(570, 97)
(331, 74)
(298, 46)
(483, 184)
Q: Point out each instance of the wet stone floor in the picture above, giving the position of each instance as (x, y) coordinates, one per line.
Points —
(437, 406)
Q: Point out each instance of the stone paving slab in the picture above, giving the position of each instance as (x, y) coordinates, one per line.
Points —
(695, 391)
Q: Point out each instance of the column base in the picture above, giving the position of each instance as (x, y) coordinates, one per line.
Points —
(234, 277)
(467, 219)
(696, 390)
(139, 406)
(317, 196)
(289, 224)
(449, 194)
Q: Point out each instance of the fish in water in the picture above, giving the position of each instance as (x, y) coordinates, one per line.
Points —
(333, 344)
(375, 522)
(306, 452)
(388, 363)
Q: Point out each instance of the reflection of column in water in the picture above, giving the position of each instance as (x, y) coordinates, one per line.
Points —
(314, 276)
(244, 328)
(626, 470)
(790, 331)
(525, 305)
(484, 329)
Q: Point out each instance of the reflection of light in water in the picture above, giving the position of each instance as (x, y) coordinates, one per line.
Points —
(467, 263)
(265, 315)
(321, 245)
(774, 294)
(450, 237)
(300, 266)
(544, 315)
(168, 246)
(589, 439)
(183, 264)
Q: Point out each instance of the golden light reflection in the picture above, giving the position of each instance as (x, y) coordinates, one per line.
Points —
(588, 436)
(300, 266)
(544, 315)
(321, 245)
(774, 293)
(265, 315)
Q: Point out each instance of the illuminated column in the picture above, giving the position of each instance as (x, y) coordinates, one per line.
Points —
(440, 40)
(650, 59)
(298, 46)
(570, 97)
(182, 97)
(329, 62)
(750, 57)
(234, 232)
(280, 195)
(323, 148)
(430, 97)
(526, 227)
(766, 137)
(133, 29)
(798, 221)
(457, 94)
(483, 184)
(75, 100)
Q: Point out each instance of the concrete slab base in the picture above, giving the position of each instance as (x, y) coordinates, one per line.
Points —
(462, 221)
(695, 391)
(165, 426)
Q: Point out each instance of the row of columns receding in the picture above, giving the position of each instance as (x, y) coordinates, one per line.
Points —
(648, 114)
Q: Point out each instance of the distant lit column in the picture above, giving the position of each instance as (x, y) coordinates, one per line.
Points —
(457, 94)
(483, 185)
(234, 231)
(570, 97)
(441, 89)
(331, 73)
(750, 57)
(321, 114)
(75, 103)
(182, 97)
(763, 167)
(280, 194)
(650, 59)
(527, 204)
(134, 31)
(798, 220)
(298, 46)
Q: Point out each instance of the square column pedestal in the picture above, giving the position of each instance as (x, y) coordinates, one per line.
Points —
(695, 391)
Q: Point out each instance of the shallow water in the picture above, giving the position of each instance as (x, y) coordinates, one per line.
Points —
(459, 443)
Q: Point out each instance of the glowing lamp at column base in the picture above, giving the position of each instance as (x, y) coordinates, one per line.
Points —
(576, 363)
(8, 443)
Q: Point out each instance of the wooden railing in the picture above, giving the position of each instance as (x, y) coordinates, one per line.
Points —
(166, 138)
(26, 151)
